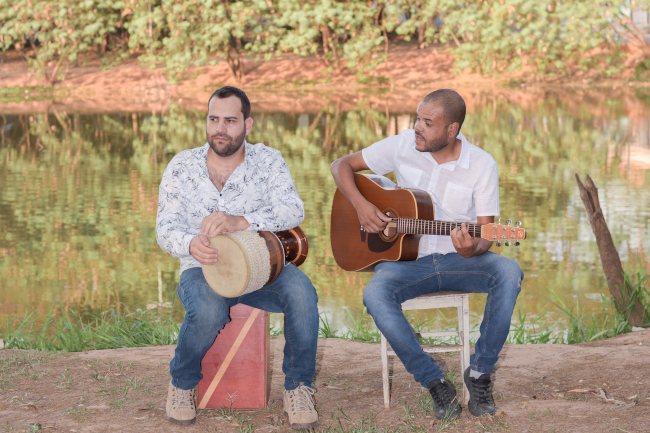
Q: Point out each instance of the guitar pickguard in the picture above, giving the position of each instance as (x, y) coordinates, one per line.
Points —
(377, 245)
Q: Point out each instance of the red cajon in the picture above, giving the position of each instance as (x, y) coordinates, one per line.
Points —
(236, 368)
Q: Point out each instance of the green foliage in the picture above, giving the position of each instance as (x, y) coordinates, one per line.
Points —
(48, 33)
(342, 34)
(581, 326)
(544, 37)
(66, 331)
(197, 32)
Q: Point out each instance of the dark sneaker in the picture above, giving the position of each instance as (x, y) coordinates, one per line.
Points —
(480, 394)
(445, 405)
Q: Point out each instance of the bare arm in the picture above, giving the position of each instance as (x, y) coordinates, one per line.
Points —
(343, 169)
(467, 246)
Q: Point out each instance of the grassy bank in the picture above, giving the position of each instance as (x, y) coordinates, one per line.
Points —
(66, 331)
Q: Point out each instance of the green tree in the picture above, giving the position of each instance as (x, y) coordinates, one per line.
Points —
(50, 33)
(194, 32)
(506, 35)
(342, 34)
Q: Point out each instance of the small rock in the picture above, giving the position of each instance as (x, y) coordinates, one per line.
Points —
(366, 389)
(102, 407)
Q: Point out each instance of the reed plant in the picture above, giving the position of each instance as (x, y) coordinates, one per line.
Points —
(66, 331)
(69, 333)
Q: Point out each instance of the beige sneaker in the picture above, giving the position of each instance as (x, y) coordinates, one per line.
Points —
(181, 407)
(299, 407)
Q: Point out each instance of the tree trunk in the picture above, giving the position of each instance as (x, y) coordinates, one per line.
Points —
(626, 301)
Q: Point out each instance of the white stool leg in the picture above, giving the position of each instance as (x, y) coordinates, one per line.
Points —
(465, 341)
(461, 341)
(384, 372)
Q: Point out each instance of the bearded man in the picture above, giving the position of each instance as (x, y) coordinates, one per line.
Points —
(223, 186)
(463, 182)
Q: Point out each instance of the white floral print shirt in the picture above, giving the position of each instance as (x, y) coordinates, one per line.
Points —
(260, 189)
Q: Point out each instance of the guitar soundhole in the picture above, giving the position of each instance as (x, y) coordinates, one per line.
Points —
(390, 232)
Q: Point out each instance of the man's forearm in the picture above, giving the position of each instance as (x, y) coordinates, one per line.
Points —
(344, 178)
(175, 242)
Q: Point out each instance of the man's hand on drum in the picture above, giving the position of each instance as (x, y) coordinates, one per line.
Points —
(201, 250)
(219, 222)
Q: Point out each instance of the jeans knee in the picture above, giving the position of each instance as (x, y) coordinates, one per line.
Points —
(373, 296)
(512, 276)
(206, 316)
(301, 292)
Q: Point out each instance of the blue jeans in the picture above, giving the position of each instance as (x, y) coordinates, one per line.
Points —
(396, 282)
(292, 293)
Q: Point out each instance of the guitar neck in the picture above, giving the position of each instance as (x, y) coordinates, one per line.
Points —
(432, 227)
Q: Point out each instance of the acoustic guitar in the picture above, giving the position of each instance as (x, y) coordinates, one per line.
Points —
(412, 213)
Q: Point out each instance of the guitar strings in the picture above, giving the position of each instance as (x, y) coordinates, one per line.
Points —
(433, 227)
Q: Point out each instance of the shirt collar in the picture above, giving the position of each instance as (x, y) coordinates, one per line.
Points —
(203, 155)
(463, 159)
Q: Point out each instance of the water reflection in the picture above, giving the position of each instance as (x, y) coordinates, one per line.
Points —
(79, 195)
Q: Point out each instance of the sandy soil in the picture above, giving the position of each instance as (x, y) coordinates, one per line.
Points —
(538, 388)
(296, 84)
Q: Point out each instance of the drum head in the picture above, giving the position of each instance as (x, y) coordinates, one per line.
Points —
(230, 276)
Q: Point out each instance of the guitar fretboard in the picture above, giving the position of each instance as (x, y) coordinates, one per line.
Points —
(433, 227)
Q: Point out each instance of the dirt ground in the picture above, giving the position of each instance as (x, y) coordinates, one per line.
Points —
(296, 84)
(593, 387)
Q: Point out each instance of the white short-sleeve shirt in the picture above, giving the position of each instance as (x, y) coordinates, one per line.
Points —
(461, 190)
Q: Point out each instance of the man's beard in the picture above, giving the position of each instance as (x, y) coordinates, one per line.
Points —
(231, 147)
(435, 144)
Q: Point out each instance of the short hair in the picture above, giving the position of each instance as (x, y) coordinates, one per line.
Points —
(228, 91)
(453, 105)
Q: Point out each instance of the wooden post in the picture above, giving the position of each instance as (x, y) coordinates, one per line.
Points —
(622, 292)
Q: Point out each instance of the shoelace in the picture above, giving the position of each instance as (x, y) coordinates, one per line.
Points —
(441, 394)
(303, 399)
(184, 398)
(482, 387)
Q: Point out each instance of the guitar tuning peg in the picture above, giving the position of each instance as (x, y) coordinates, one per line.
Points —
(498, 243)
(518, 223)
(507, 243)
(516, 243)
(499, 221)
(508, 222)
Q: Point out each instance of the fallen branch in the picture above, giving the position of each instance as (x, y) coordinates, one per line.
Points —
(626, 300)
(599, 392)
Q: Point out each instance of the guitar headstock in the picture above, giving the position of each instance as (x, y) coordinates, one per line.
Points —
(498, 232)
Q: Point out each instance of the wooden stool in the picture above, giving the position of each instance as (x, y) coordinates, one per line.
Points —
(459, 300)
(236, 369)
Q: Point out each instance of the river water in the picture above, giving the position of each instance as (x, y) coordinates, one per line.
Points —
(78, 195)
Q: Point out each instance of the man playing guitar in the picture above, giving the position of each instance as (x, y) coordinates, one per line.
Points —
(463, 182)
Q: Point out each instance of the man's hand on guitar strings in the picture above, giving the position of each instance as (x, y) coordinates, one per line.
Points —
(372, 219)
(465, 245)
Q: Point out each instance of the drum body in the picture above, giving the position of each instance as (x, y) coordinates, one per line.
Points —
(247, 261)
